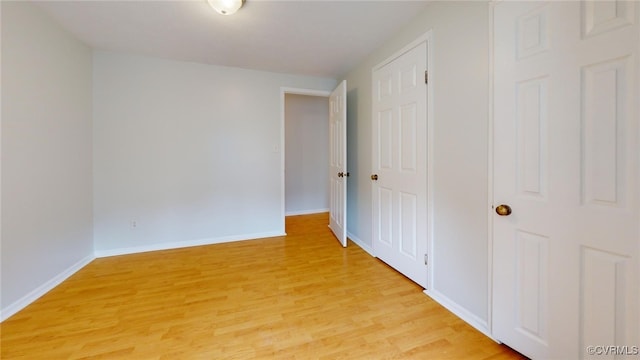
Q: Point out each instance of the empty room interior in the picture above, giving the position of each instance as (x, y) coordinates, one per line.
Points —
(265, 179)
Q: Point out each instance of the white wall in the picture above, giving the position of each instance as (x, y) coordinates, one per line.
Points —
(306, 154)
(460, 85)
(190, 152)
(46, 155)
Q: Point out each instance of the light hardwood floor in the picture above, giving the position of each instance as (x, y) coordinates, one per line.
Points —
(296, 297)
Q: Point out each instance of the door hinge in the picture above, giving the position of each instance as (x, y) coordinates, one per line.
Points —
(426, 259)
(426, 76)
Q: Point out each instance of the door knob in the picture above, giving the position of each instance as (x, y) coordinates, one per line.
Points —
(374, 177)
(340, 174)
(503, 210)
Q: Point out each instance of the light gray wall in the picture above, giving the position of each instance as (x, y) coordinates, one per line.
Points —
(306, 154)
(460, 92)
(190, 152)
(46, 155)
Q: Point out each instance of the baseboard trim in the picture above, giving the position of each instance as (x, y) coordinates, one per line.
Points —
(306, 212)
(34, 295)
(184, 244)
(461, 312)
(368, 249)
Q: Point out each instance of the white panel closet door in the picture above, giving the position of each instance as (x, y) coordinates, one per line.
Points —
(399, 179)
(338, 162)
(565, 261)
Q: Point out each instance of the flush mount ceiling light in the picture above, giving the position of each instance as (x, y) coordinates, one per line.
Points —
(226, 7)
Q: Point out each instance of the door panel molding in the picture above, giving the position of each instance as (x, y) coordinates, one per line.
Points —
(405, 156)
(564, 153)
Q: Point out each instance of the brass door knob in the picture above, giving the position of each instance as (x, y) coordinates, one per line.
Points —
(374, 177)
(503, 210)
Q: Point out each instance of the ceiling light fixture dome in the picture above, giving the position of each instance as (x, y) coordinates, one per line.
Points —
(226, 7)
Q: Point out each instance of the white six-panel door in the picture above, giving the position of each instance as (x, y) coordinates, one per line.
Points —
(338, 162)
(565, 261)
(399, 179)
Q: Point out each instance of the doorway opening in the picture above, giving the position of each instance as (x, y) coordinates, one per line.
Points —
(305, 151)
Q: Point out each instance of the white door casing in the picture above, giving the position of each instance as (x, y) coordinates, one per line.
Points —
(565, 262)
(338, 162)
(399, 193)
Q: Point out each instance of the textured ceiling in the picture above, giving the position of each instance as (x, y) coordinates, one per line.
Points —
(317, 38)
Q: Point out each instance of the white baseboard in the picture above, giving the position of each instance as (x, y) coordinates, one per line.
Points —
(462, 313)
(10, 310)
(183, 244)
(368, 249)
(306, 212)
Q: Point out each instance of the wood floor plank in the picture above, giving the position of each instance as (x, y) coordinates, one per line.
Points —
(300, 296)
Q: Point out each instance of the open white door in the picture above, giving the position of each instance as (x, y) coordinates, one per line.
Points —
(565, 244)
(338, 162)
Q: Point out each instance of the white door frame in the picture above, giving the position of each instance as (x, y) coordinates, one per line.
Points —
(283, 92)
(490, 125)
